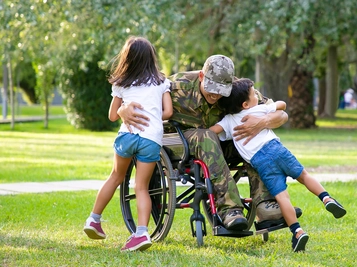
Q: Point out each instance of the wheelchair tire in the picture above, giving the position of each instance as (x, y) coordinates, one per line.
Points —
(162, 191)
(199, 233)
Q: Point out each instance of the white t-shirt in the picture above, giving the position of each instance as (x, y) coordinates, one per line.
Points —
(150, 97)
(230, 121)
(348, 97)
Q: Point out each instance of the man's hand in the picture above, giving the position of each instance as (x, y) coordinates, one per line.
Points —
(250, 128)
(253, 125)
(130, 117)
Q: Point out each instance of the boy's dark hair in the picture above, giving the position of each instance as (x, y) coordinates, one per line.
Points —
(136, 64)
(240, 93)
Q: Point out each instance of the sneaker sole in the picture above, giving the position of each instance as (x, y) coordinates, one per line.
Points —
(93, 233)
(141, 247)
(336, 210)
(300, 245)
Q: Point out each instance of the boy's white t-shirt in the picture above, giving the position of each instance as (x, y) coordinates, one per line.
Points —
(232, 120)
(150, 97)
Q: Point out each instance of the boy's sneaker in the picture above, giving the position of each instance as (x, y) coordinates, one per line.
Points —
(335, 208)
(93, 229)
(137, 243)
(299, 241)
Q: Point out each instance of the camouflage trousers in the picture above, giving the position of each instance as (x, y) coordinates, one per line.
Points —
(205, 145)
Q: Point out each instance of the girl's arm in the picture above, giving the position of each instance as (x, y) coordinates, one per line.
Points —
(113, 108)
(167, 109)
(216, 128)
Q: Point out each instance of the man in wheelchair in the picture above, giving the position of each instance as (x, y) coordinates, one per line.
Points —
(195, 95)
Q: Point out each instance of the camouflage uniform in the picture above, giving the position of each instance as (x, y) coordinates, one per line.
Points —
(196, 116)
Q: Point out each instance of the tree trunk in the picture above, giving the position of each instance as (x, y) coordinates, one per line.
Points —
(275, 74)
(47, 112)
(11, 87)
(322, 96)
(331, 103)
(5, 78)
(301, 108)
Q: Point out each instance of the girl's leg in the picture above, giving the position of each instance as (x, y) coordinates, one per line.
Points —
(93, 226)
(143, 201)
(141, 239)
(116, 177)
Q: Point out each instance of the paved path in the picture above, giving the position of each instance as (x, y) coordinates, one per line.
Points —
(78, 185)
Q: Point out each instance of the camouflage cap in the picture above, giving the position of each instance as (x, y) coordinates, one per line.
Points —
(218, 73)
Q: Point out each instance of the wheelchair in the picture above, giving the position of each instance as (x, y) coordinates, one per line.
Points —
(176, 166)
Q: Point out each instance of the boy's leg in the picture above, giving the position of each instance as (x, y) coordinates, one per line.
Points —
(286, 207)
(317, 189)
(299, 238)
(268, 210)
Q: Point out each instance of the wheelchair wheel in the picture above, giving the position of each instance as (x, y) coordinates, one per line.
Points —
(162, 192)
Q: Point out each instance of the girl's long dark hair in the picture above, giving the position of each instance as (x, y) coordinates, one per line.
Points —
(240, 93)
(136, 64)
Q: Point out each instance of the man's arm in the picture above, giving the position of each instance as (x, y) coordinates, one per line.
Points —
(253, 125)
(130, 117)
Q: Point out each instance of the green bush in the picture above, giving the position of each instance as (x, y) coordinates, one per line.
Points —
(87, 94)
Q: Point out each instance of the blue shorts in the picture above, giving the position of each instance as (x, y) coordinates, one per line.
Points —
(274, 163)
(128, 145)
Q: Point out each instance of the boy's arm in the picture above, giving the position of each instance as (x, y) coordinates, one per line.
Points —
(280, 105)
(216, 128)
(167, 109)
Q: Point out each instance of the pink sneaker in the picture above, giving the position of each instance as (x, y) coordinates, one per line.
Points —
(137, 243)
(93, 229)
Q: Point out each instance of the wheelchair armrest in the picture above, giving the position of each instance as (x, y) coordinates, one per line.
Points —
(186, 151)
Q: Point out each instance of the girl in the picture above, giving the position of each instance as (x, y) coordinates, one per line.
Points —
(135, 76)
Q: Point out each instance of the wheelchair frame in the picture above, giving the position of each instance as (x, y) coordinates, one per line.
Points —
(162, 190)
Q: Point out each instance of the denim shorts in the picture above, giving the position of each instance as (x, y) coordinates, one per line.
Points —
(128, 145)
(274, 163)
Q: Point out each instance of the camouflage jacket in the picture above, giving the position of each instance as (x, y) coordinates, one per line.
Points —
(190, 107)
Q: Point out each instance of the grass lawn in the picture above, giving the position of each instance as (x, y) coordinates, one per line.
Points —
(46, 229)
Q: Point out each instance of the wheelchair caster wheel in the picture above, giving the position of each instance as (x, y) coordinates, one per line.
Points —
(199, 233)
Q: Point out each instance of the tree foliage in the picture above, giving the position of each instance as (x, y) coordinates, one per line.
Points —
(277, 42)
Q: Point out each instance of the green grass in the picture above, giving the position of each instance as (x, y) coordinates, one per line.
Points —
(35, 110)
(46, 230)
(32, 153)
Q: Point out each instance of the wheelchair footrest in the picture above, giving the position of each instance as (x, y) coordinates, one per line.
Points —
(271, 229)
(221, 231)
